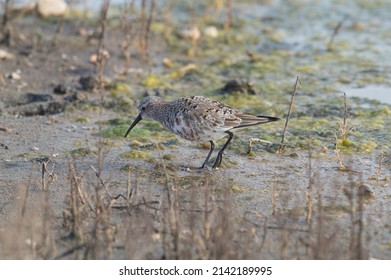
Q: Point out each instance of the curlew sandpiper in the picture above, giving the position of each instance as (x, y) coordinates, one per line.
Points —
(198, 118)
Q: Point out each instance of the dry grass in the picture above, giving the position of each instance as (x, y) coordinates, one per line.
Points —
(197, 222)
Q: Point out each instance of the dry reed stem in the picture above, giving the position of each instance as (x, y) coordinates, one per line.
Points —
(77, 181)
(148, 27)
(378, 172)
(26, 195)
(172, 217)
(127, 28)
(143, 30)
(5, 27)
(335, 33)
(341, 165)
(320, 242)
(97, 174)
(281, 149)
(47, 245)
(274, 201)
(358, 216)
(52, 177)
(309, 193)
(214, 5)
(343, 126)
(129, 192)
(228, 15)
(72, 217)
(101, 54)
(359, 248)
(145, 27)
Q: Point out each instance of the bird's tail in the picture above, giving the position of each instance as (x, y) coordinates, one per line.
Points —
(250, 120)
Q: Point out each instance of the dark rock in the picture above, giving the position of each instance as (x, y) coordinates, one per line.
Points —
(36, 97)
(60, 89)
(48, 108)
(238, 86)
(293, 155)
(4, 146)
(72, 97)
(88, 83)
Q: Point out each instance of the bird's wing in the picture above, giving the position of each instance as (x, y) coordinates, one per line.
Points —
(207, 113)
(219, 116)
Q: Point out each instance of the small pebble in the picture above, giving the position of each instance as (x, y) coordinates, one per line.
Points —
(4, 55)
(211, 31)
(190, 33)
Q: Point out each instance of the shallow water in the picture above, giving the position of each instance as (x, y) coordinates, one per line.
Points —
(380, 93)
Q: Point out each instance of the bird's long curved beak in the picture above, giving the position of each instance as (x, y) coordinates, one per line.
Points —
(139, 118)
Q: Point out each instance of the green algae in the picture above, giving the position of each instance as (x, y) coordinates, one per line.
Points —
(368, 147)
(144, 131)
(168, 156)
(136, 154)
(116, 131)
(83, 120)
(237, 189)
(115, 122)
(118, 89)
(153, 81)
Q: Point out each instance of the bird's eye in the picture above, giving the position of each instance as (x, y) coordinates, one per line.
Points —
(143, 108)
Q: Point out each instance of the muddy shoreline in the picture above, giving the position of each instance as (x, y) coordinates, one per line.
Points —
(102, 196)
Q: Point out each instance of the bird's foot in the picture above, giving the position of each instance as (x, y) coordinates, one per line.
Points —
(218, 160)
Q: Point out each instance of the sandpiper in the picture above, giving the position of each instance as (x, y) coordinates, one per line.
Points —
(198, 118)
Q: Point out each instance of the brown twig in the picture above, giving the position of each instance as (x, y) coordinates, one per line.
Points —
(145, 27)
(318, 249)
(51, 176)
(274, 198)
(359, 248)
(281, 149)
(335, 33)
(343, 130)
(148, 27)
(129, 33)
(101, 181)
(228, 15)
(7, 4)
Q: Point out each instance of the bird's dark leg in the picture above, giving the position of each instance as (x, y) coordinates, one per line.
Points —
(212, 146)
(220, 154)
